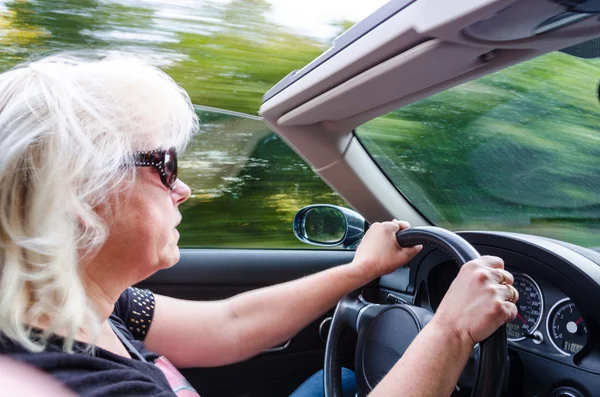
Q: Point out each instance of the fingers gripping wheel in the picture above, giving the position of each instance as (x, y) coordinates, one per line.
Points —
(384, 331)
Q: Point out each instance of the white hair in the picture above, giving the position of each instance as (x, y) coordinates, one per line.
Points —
(68, 127)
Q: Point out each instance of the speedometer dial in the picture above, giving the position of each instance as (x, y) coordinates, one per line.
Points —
(530, 306)
(566, 327)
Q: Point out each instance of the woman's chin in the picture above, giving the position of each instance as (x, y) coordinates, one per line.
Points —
(170, 257)
(175, 259)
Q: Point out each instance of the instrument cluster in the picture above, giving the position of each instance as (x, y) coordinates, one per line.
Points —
(546, 319)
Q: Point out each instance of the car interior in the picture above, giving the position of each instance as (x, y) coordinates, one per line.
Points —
(405, 52)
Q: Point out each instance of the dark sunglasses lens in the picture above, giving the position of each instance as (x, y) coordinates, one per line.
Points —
(171, 167)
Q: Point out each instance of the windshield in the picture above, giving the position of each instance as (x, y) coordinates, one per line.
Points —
(518, 150)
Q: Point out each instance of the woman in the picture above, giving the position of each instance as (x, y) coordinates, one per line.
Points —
(89, 206)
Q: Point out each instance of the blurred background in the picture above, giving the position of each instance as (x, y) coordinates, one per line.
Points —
(517, 150)
(247, 184)
(225, 53)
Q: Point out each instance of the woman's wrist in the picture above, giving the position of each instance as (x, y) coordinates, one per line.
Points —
(450, 333)
(363, 270)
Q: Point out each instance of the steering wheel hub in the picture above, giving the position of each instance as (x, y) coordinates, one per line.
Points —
(389, 334)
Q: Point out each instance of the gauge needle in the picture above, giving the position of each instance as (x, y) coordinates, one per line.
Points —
(522, 319)
(578, 321)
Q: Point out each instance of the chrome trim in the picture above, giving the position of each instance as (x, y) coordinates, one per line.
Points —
(537, 324)
(328, 319)
(278, 348)
(566, 394)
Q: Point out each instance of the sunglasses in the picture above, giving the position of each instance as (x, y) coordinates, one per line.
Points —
(165, 161)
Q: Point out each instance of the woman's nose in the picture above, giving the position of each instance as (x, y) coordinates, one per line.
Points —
(181, 192)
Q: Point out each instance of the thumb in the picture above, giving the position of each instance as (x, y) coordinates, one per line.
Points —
(402, 224)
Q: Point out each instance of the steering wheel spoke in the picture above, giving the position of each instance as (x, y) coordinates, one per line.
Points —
(350, 310)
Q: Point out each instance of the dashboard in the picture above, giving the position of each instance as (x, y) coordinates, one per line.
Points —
(554, 343)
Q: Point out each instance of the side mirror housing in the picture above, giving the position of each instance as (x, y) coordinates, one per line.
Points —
(329, 226)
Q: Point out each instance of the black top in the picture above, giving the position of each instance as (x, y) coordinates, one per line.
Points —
(104, 373)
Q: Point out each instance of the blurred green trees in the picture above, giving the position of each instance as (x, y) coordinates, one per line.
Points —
(31, 29)
(517, 150)
(245, 56)
(246, 183)
(226, 55)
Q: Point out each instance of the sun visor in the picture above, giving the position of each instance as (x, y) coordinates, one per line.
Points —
(494, 20)
(535, 17)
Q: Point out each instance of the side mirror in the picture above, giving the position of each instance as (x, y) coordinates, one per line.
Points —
(329, 226)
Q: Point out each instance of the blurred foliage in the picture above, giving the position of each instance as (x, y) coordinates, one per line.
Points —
(226, 55)
(31, 29)
(247, 184)
(515, 151)
(235, 66)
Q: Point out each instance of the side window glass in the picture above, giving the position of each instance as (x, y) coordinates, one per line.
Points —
(247, 185)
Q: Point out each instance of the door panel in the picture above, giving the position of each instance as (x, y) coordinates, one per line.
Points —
(243, 267)
(209, 274)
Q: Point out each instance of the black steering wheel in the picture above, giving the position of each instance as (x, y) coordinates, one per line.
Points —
(386, 331)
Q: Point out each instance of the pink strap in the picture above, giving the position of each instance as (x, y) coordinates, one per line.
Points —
(181, 387)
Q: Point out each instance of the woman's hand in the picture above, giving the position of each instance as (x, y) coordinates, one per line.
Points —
(379, 252)
(480, 300)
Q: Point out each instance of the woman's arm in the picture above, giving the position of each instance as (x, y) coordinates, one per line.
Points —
(198, 334)
(474, 307)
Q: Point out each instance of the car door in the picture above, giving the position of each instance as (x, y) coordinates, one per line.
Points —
(237, 235)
